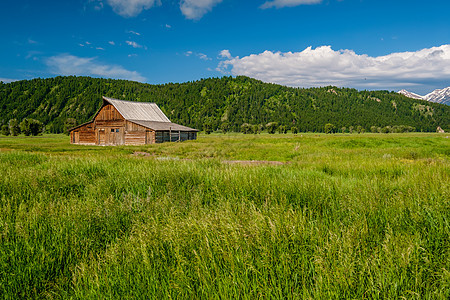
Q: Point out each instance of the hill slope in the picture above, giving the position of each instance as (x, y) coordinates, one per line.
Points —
(221, 103)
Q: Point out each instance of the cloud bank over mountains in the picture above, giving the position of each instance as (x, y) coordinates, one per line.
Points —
(324, 66)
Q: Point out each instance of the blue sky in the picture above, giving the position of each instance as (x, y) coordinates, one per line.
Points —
(364, 44)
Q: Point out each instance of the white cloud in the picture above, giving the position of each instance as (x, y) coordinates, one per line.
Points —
(287, 3)
(324, 66)
(203, 56)
(97, 4)
(66, 64)
(132, 8)
(100, 48)
(199, 55)
(168, 26)
(195, 9)
(111, 43)
(134, 32)
(33, 55)
(225, 54)
(133, 44)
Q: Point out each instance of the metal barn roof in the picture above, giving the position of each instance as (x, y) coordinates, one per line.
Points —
(143, 111)
(145, 114)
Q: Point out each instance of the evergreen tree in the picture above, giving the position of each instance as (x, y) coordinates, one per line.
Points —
(207, 127)
(69, 124)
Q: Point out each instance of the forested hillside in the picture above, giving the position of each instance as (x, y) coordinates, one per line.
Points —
(221, 103)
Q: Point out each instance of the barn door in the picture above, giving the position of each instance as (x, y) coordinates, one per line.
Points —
(115, 136)
(101, 137)
(149, 137)
(120, 136)
(76, 137)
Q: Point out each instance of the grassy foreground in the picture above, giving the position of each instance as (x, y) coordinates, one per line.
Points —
(345, 216)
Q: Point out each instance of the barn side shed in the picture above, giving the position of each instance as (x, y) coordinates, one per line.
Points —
(120, 122)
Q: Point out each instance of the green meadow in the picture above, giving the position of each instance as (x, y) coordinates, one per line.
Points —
(307, 216)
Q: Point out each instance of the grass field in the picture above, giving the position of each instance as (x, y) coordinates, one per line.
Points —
(227, 216)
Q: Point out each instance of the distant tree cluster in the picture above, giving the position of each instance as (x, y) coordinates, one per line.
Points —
(224, 104)
(27, 127)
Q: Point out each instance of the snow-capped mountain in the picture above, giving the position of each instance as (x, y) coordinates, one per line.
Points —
(410, 95)
(439, 96)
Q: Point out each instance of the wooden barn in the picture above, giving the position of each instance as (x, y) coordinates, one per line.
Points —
(120, 122)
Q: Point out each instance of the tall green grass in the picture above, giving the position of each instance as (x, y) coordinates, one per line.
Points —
(346, 217)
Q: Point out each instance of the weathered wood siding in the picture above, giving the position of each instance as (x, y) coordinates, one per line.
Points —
(135, 134)
(150, 137)
(83, 135)
(110, 136)
(108, 113)
(109, 126)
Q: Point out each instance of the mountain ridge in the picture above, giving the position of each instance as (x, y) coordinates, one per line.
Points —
(441, 96)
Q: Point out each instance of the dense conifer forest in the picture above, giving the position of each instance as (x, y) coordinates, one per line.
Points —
(225, 104)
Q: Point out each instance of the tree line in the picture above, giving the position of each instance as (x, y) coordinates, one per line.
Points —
(27, 127)
(227, 104)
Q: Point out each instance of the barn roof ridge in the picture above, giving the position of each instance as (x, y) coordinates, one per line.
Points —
(130, 101)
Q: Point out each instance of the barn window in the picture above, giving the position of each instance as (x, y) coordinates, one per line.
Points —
(112, 130)
(117, 129)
